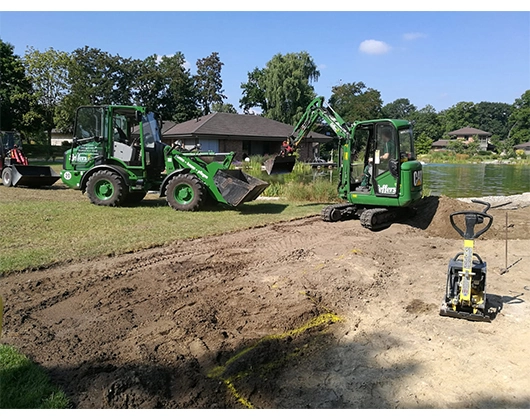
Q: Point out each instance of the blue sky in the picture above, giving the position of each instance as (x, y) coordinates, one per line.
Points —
(432, 57)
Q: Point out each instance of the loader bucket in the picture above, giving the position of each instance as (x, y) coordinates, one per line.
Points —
(237, 187)
(33, 176)
(280, 165)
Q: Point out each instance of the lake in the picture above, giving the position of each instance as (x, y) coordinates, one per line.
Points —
(465, 180)
(475, 180)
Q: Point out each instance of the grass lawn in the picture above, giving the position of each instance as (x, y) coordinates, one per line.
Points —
(57, 224)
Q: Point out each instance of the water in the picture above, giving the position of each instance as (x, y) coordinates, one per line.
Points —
(475, 180)
(452, 180)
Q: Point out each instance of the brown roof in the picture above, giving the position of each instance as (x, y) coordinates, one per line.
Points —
(236, 126)
(468, 131)
(440, 143)
(523, 146)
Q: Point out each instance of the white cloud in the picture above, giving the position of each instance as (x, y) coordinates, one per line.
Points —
(371, 46)
(322, 66)
(411, 36)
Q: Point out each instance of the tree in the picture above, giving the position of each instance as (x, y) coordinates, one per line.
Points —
(356, 102)
(208, 81)
(48, 72)
(426, 121)
(519, 121)
(15, 89)
(228, 108)
(493, 118)
(283, 88)
(463, 114)
(423, 144)
(254, 91)
(400, 109)
(164, 86)
(179, 95)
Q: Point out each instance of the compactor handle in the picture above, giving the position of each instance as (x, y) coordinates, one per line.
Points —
(473, 218)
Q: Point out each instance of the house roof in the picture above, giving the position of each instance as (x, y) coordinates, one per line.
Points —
(440, 143)
(468, 131)
(522, 145)
(236, 126)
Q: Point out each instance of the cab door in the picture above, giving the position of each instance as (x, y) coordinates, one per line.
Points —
(385, 176)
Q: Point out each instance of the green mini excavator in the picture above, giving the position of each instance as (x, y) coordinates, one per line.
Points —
(391, 181)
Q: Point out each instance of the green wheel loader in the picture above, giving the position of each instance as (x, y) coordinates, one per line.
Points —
(115, 168)
(379, 191)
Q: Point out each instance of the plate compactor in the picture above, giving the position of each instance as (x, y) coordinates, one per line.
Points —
(465, 295)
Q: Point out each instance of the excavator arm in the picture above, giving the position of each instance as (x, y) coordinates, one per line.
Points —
(317, 110)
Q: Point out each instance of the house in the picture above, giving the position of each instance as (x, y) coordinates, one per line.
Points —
(58, 138)
(439, 145)
(468, 135)
(244, 134)
(524, 146)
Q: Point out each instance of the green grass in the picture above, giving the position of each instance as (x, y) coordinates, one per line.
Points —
(46, 226)
(23, 384)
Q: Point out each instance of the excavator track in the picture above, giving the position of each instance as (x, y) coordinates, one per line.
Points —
(380, 218)
(337, 212)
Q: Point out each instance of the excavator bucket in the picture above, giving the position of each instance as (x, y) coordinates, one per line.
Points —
(280, 165)
(33, 176)
(238, 187)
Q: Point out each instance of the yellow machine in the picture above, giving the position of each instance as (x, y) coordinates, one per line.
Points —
(465, 295)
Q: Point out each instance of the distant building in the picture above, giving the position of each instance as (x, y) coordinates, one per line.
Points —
(468, 134)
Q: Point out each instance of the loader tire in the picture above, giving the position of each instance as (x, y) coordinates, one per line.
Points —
(7, 177)
(185, 193)
(106, 188)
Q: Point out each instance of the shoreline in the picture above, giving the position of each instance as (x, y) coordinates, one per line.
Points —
(508, 202)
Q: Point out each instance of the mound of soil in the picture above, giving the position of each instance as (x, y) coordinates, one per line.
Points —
(304, 314)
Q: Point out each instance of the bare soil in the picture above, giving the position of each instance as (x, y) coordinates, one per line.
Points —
(303, 314)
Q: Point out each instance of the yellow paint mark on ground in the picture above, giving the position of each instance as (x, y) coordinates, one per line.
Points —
(219, 371)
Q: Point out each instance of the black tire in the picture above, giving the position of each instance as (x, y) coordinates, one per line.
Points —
(134, 198)
(106, 188)
(185, 193)
(7, 177)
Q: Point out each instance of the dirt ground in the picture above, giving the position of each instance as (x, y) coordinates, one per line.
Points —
(303, 314)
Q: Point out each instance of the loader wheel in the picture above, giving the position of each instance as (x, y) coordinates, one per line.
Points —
(185, 192)
(105, 188)
(7, 177)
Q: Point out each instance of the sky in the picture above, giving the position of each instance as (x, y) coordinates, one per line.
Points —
(436, 58)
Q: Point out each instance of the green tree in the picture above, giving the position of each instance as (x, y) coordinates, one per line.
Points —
(493, 117)
(423, 144)
(456, 146)
(15, 89)
(400, 109)
(227, 108)
(254, 91)
(208, 81)
(283, 88)
(519, 121)
(48, 72)
(356, 102)
(164, 86)
(463, 114)
(426, 121)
